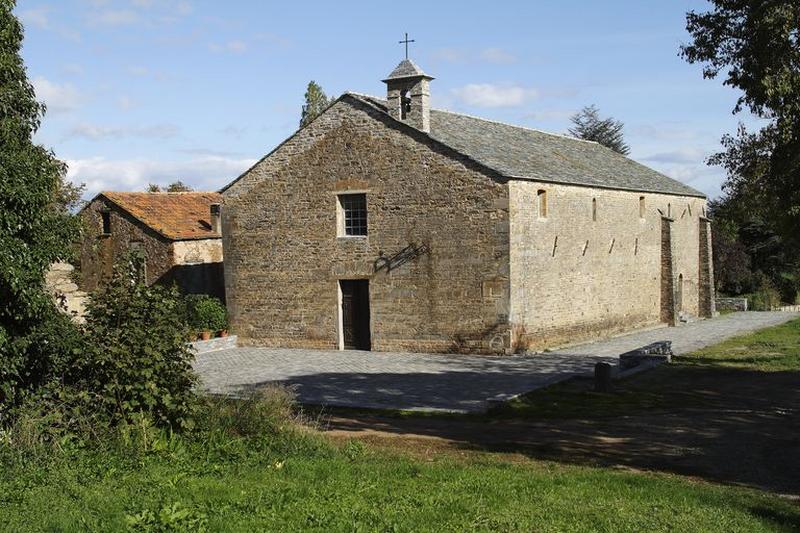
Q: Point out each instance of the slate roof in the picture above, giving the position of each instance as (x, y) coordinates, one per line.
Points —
(175, 215)
(518, 152)
(406, 69)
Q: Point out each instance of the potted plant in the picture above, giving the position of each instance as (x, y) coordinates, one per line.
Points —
(207, 315)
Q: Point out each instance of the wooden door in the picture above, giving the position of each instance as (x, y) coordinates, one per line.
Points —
(355, 314)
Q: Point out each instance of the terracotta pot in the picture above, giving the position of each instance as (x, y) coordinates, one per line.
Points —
(205, 335)
(223, 333)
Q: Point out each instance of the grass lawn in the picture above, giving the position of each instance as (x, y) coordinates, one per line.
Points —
(775, 349)
(301, 480)
(247, 488)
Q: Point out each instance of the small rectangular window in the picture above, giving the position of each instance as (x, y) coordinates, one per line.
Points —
(641, 207)
(542, 197)
(594, 209)
(352, 215)
(106, 222)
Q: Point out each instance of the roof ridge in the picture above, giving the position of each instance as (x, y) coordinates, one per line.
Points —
(563, 136)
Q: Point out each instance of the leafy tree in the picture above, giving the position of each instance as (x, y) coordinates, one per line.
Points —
(175, 186)
(36, 228)
(755, 47)
(316, 102)
(178, 186)
(588, 125)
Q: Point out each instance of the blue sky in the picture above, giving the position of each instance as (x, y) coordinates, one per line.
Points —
(144, 91)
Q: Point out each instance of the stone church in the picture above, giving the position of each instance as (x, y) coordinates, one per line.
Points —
(387, 225)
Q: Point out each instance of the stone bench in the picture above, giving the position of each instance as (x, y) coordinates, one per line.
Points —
(660, 351)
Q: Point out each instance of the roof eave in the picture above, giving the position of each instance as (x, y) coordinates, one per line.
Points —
(693, 193)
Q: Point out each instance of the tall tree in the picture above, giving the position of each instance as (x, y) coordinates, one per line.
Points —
(588, 125)
(36, 228)
(316, 102)
(755, 46)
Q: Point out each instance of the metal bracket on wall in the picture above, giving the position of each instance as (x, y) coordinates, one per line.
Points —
(409, 253)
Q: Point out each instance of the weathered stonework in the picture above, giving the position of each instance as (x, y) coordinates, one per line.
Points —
(68, 296)
(706, 276)
(575, 278)
(495, 276)
(99, 252)
(283, 258)
(194, 265)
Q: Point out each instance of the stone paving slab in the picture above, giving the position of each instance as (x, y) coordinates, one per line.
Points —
(433, 382)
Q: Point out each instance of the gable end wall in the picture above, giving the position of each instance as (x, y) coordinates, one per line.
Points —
(283, 259)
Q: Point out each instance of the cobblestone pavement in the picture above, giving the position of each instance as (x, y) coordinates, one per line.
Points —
(459, 383)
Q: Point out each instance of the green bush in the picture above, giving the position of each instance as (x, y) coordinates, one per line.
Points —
(45, 352)
(764, 300)
(206, 313)
(136, 359)
(269, 409)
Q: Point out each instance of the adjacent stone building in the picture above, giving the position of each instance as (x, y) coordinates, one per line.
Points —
(386, 225)
(177, 235)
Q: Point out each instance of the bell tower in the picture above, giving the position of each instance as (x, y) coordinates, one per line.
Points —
(408, 94)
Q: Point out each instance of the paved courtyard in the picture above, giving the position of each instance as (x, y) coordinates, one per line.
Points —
(459, 383)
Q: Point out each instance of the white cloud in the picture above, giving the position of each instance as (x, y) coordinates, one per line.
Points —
(183, 8)
(234, 131)
(549, 115)
(38, 17)
(125, 103)
(96, 132)
(202, 173)
(236, 47)
(494, 55)
(679, 156)
(497, 56)
(72, 69)
(449, 55)
(59, 97)
(491, 95)
(138, 70)
(113, 18)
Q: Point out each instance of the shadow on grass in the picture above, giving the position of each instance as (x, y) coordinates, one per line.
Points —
(722, 424)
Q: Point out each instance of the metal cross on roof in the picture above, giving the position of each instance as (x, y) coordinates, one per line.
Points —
(405, 42)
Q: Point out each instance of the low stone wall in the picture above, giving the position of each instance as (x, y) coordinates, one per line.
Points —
(68, 296)
(731, 304)
(213, 345)
(788, 308)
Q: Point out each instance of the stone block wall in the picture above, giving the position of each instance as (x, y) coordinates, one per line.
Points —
(706, 275)
(731, 304)
(68, 296)
(667, 306)
(574, 277)
(283, 258)
(99, 252)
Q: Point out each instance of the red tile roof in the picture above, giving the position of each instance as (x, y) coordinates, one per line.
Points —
(175, 215)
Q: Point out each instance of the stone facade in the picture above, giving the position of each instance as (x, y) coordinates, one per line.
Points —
(283, 262)
(498, 277)
(194, 265)
(600, 262)
(462, 252)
